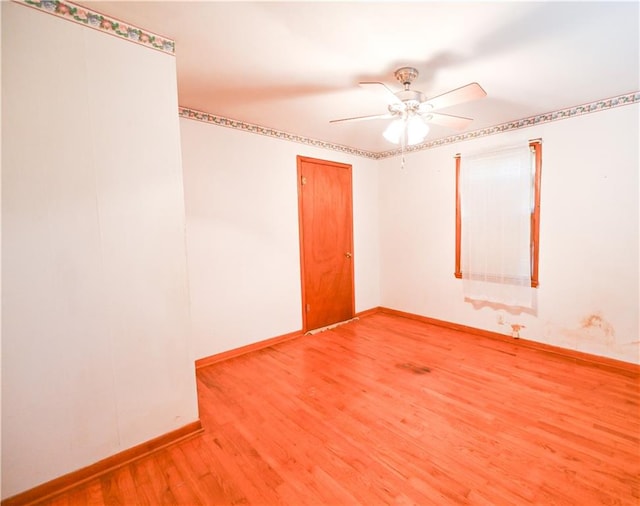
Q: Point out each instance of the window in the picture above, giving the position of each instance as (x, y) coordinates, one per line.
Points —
(498, 219)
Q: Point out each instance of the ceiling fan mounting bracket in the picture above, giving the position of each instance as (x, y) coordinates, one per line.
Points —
(406, 75)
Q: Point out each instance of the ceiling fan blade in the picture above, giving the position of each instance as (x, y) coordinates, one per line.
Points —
(466, 93)
(389, 94)
(363, 118)
(447, 120)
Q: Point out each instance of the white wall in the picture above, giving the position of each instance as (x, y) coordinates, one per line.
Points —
(589, 278)
(95, 355)
(95, 308)
(242, 234)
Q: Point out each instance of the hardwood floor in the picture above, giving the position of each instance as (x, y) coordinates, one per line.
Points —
(388, 410)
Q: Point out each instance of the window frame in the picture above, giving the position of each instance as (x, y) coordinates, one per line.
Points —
(535, 146)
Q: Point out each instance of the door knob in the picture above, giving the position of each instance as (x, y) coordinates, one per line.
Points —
(347, 254)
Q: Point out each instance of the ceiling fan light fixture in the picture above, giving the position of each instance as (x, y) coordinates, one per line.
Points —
(410, 110)
(417, 130)
(393, 133)
(414, 127)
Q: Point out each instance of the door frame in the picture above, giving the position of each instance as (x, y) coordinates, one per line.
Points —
(299, 160)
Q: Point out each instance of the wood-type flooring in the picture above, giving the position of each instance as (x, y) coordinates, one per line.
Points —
(389, 410)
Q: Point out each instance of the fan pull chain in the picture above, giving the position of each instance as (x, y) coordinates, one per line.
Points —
(403, 143)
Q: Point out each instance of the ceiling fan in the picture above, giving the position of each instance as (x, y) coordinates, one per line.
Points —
(411, 110)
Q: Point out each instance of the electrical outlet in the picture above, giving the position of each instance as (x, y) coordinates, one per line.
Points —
(515, 330)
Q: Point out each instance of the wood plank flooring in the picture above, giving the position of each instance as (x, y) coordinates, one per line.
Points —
(388, 410)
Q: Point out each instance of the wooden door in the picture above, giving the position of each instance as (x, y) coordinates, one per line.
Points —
(326, 242)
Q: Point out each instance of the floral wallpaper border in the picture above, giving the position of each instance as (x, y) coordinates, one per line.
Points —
(88, 17)
(193, 114)
(570, 112)
(579, 110)
(93, 19)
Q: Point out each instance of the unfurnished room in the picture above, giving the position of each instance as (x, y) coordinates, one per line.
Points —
(320, 253)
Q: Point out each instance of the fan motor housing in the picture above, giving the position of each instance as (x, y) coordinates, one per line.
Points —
(411, 96)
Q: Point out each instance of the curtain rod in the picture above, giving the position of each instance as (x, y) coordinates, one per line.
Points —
(531, 141)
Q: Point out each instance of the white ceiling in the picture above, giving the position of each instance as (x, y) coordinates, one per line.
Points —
(293, 66)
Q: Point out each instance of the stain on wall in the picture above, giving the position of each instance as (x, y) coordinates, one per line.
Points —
(593, 332)
(596, 325)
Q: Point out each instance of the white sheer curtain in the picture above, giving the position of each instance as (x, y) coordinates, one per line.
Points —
(496, 198)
